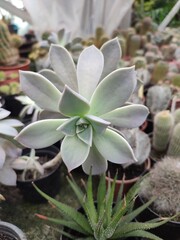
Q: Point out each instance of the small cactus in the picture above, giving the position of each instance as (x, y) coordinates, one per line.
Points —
(134, 43)
(163, 124)
(176, 115)
(158, 98)
(9, 55)
(163, 182)
(160, 71)
(174, 145)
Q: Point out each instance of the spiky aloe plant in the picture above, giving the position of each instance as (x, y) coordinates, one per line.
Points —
(102, 219)
(80, 104)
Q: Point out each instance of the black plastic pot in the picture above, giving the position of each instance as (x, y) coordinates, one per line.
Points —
(10, 231)
(170, 230)
(50, 184)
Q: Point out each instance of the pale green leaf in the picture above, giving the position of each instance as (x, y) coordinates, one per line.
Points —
(2, 156)
(73, 104)
(40, 90)
(63, 65)
(8, 176)
(69, 127)
(74, 152)
(53, 77)
(94, 162)
(12, 122)
(7, 130)
(112, 53)
(41, 134)
(113, 147)
(86, 135)
(113, 91)
(4, 113)
(89, 69)
(98, 124)
(130, 116)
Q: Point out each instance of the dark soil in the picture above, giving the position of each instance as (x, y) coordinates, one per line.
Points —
(6, 236)
(130, 172)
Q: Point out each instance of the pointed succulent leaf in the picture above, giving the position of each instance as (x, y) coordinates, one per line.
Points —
(40, 90)
(7, 130)
(94, 162)
(41, 134)
(130, 116)
(2, 156)
(143, 234)
(89, 70)
(113, 147)
(113, 91)
(98, 124)
(68, 212)
(86, 135)
(69, 127)
(74, 152)
(73, 104)
(63, 65)
(12, 122)
(112, 53)
(4, 113)
(53, 78)
(8, 176)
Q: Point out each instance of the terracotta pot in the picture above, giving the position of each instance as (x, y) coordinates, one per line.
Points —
(50, 183)
(10, 231)
(128, 183)
(23, 64)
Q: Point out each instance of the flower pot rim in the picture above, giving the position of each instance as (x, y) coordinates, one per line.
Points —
(133, 180)
(18, 233)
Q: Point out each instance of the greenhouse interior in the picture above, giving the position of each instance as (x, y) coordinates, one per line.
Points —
(90, 119)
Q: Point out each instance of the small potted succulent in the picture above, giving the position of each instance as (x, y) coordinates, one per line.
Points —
(80, 106)
(163, 183)
(100, 217)
(42, 166)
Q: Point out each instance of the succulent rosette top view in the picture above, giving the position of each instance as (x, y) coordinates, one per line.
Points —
(81, 106)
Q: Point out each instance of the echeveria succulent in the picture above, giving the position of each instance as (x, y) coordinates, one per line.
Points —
(81, 106)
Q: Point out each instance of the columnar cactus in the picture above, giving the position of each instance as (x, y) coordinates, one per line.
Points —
(163, 124)
(9, 55)
(176, 115)
(163, 182)
(160, 71)
(158, 98)
(134, 43)
(174, 145)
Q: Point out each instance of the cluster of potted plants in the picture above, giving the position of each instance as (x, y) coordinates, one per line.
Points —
(86, 109)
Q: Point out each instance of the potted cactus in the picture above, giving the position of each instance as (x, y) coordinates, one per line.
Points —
(9, 54)
(163, 183)
(166, 134)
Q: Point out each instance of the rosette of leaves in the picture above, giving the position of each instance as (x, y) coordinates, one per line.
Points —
(80, 104)
(100, 217)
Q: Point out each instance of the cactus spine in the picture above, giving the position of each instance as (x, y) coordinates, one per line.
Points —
(9, 55)
(163, 123)
(174, 145)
